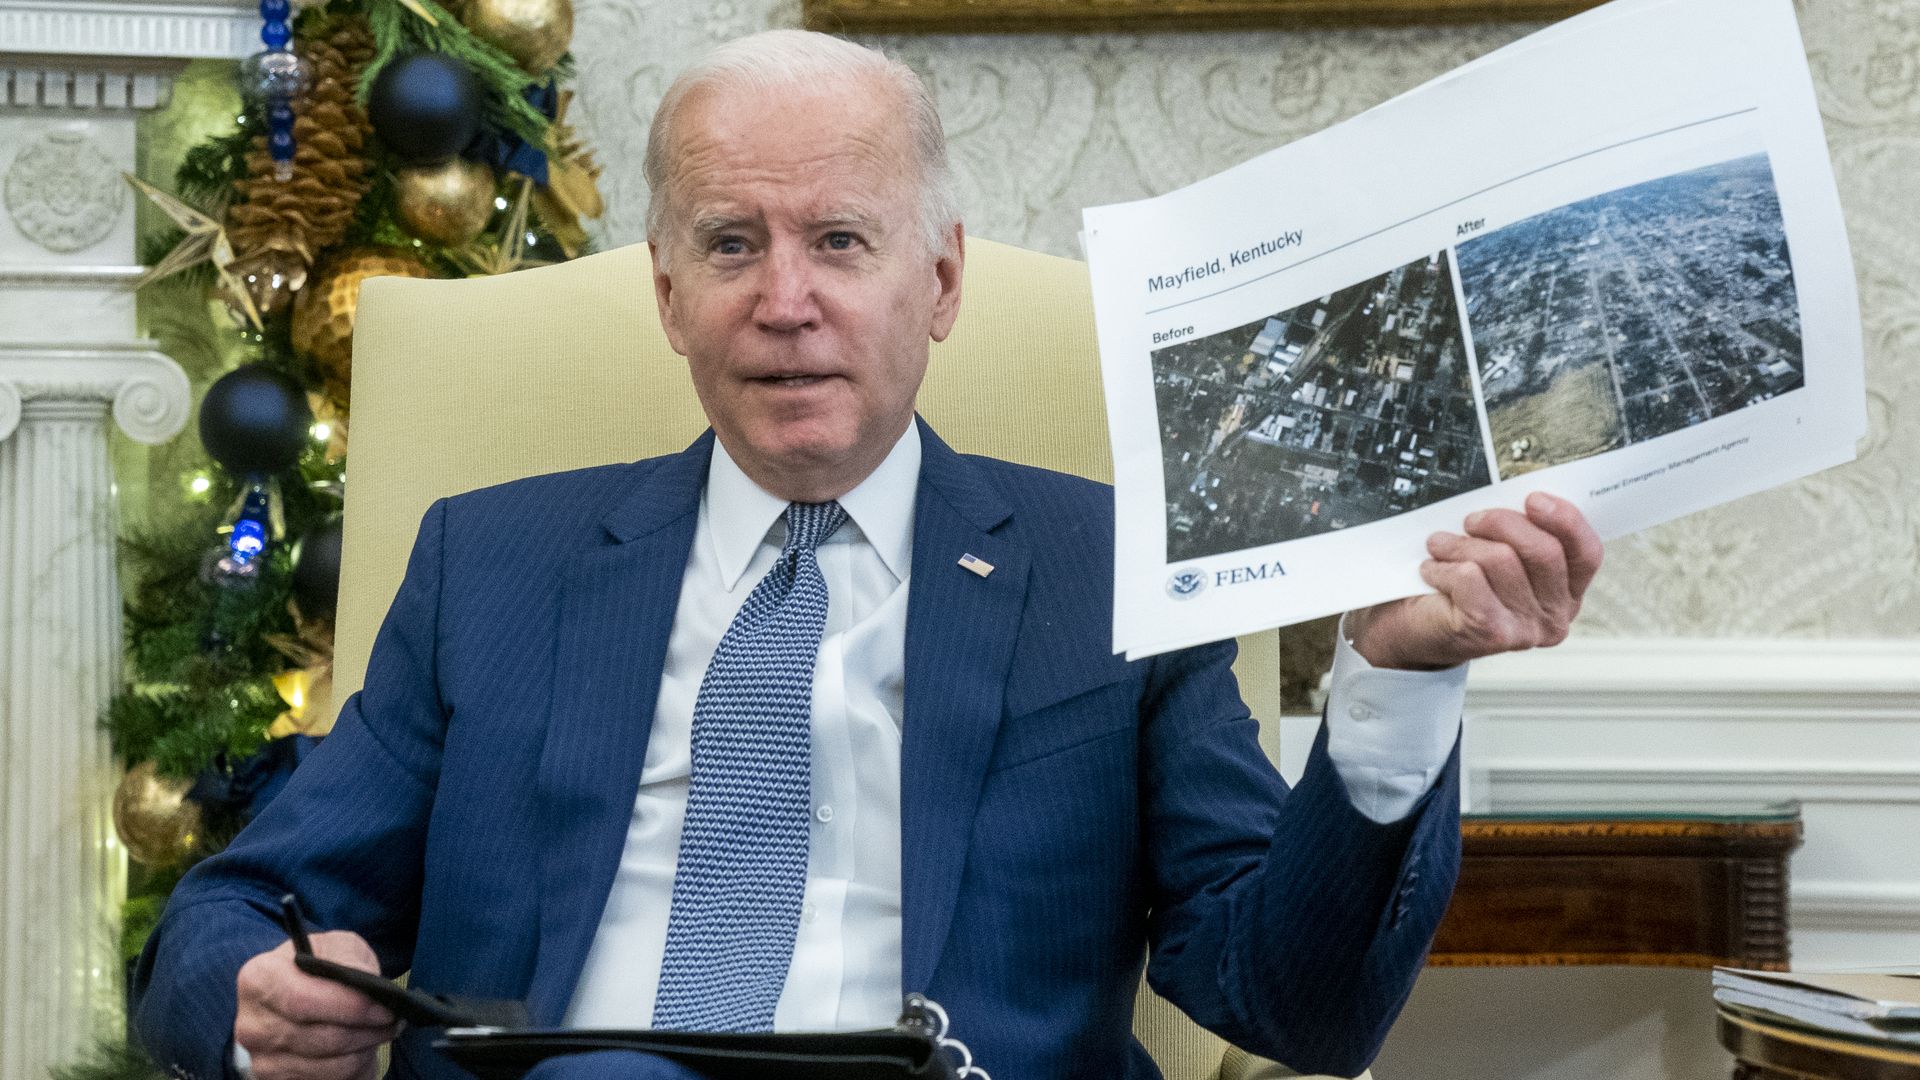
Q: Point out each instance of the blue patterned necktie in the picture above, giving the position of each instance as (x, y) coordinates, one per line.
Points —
(742, 869)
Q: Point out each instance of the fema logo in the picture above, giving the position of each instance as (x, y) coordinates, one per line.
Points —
(1186, 584)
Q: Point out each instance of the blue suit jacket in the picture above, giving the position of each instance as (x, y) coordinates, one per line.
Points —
(1061, 808)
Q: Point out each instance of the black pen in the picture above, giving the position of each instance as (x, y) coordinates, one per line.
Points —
(416, 1007)
(295, 923)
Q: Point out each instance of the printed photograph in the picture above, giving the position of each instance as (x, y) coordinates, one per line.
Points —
(1345, 410)
(1632, 314)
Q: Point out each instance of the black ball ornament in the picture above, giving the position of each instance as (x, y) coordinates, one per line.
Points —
(254, 420)
(316, 569)
(425, 107)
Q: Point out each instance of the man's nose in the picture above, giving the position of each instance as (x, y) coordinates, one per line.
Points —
(788, 301)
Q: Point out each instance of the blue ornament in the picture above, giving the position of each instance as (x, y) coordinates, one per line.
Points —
(316, 569)
(426, 107)
(253, 420)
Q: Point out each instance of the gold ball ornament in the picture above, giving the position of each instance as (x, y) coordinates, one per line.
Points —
(534, 32)
(154, 818)
(444, 204)
(323, 312)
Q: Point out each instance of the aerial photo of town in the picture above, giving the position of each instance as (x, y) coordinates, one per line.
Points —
(1344, 410)
(1632, 314)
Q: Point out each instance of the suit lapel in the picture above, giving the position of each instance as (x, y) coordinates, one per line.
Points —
(960, 634)
(615, 618)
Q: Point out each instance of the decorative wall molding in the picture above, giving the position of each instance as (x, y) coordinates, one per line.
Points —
(148, 392)
(112, 54)
(1719, 679)
(70, 276)
(86, 87)
(63, 191)
(1862, 908)
(1570, 785)
(129, 28)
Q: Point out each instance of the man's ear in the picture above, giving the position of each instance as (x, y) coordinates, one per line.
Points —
(663, 296)
(947, 271)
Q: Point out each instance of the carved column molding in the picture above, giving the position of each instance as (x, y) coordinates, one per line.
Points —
(62, 872)
(74, 75)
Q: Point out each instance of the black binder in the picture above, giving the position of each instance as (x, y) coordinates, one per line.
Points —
(887, 1054)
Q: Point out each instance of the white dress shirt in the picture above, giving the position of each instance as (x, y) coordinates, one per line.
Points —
(1389, 736)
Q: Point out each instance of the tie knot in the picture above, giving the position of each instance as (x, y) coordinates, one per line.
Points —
(810, 523)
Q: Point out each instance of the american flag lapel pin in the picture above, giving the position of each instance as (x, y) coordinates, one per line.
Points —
(975, 563)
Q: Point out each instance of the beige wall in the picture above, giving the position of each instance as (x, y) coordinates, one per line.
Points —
(1044, 125)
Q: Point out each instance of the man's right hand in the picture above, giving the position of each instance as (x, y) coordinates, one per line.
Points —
(298, 1027)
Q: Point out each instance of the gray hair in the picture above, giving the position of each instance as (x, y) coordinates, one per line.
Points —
(776, 59)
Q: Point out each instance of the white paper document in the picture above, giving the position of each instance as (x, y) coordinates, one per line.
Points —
(1606, 262)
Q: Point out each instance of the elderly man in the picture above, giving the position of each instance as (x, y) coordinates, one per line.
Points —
(727, 740)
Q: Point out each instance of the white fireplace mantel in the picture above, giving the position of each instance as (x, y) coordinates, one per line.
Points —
(160, 29)
(111, 54)
(74, 78)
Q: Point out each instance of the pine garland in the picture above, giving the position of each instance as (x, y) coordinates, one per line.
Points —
(191, 702)
(373, 218)
(207, 172)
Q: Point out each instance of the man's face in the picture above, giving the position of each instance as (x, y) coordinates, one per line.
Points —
(800, 286)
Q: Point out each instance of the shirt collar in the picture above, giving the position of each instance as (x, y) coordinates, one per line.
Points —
(741, 515)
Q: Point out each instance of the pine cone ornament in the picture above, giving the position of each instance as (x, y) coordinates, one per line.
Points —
(309, 213)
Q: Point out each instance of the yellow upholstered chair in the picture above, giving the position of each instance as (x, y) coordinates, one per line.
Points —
(461, 384)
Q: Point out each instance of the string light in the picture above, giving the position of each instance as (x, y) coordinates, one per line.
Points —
(200, 484)
(249, 536)
(322, 432)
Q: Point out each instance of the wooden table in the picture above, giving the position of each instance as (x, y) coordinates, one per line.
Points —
(1769, 1052)
(1666, 889)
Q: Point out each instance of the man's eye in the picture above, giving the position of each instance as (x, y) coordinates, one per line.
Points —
(728, 245)
(841, 241)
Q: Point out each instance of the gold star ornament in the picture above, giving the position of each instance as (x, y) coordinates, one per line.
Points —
(206, 241)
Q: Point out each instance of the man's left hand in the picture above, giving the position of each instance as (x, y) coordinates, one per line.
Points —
(1514, 581)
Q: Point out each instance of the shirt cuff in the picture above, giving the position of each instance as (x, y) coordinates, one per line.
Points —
(1390, 732)
(240, 1062)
